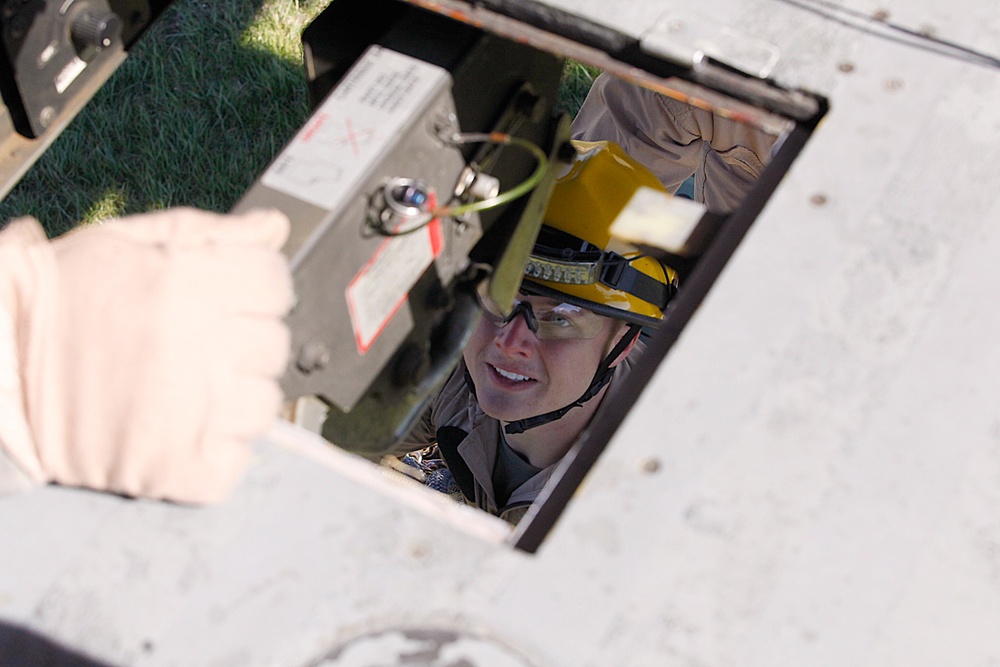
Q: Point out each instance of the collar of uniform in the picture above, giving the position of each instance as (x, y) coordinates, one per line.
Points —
(479, 450)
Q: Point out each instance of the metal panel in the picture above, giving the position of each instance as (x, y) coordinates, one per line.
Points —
(811, 477)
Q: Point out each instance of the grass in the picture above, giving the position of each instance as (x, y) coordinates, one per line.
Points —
(204, 102)
(576, 82)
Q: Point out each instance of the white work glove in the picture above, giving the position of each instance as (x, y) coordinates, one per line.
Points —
(145, 350)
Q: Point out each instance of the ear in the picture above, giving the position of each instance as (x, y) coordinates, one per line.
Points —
(616, 338)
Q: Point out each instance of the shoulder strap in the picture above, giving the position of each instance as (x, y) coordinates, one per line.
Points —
(449, 438)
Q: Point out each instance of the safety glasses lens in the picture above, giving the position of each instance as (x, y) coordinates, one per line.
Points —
(547, 318)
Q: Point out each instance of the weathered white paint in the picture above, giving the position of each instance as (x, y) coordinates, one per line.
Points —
(828, 428)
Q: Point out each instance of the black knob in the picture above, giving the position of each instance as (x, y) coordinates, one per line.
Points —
(95, 31)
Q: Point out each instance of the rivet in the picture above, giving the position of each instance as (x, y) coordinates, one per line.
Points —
(313, 356)
(846, 67)
(881, 15)
(46, 116)
(818, 199)
(651, 465)
(893, 84)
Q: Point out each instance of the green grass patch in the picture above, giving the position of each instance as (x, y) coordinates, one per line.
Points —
(202, 104)
(576, 82)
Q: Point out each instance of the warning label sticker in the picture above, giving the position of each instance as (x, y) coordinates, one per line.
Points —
(331, 156)
(357, 122)
(381, 287)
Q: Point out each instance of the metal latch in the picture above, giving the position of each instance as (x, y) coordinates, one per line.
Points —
(690, 37)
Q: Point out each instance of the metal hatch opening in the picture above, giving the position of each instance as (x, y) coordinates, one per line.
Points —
(499, 65)
(377, 333)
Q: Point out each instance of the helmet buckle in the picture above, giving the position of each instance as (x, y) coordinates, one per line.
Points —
(612, 269)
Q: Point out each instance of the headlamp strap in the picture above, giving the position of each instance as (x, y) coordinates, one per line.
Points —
(619, 274)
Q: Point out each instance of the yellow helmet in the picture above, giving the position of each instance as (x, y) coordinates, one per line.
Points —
(575, 255)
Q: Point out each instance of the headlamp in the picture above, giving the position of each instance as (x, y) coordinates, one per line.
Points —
(560, 271)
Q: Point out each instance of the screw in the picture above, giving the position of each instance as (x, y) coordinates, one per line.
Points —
(313, 356)
(818, 199)
(893, 84)
(46, 116)
(651, 465)
(445, 127)
(846, 68)
(881, 15)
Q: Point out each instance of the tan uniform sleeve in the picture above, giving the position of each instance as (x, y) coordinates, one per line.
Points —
(676, 141)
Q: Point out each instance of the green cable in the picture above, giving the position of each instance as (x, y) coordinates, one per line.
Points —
(502, 198)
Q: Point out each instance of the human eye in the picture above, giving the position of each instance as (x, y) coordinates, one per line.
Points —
(555, 319)
(562, 316)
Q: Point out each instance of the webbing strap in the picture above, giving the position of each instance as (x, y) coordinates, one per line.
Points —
(449, 438)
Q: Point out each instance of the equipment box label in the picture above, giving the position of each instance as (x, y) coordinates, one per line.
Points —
(357, 122)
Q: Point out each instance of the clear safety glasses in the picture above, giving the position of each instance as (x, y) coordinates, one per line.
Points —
(548, 319)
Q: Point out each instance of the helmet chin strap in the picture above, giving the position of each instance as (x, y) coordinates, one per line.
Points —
(601, 378)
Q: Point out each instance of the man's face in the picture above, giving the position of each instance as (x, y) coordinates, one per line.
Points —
(519, 376)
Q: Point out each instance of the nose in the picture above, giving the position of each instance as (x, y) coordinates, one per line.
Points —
(515, 337)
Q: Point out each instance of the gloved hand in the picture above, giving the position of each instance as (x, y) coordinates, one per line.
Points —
(146, 350)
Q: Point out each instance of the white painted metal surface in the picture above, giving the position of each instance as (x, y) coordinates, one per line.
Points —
(827, 431)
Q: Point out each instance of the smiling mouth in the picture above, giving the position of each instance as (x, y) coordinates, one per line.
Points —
(510, 375)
